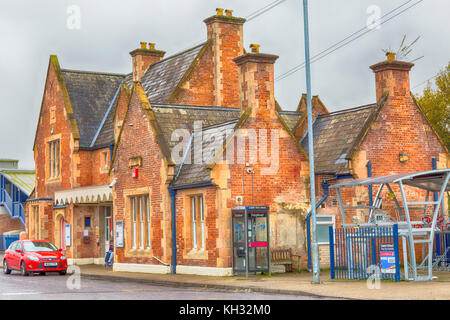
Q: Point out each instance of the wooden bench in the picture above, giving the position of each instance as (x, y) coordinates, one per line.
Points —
(282, 257)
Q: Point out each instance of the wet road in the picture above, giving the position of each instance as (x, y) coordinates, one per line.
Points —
(55, 287)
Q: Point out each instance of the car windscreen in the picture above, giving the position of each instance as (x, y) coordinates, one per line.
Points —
(34, 246)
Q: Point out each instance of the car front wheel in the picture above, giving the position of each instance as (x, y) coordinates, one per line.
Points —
(6, 269)
(23, 269)
(63, 273)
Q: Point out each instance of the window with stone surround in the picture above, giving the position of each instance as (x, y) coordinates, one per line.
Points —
(140, 214)
(198, 222)
(104, 161)
(36, 222)
(54, 164)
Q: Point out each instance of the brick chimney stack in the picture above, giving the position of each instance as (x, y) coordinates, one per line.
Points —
(392, 76)
(143, 58)
(256, 83)
(226, 33)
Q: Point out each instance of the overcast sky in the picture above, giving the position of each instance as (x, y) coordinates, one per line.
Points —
(31, 30)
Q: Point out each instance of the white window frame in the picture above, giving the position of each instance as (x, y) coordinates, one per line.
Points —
(141, 218)
(54, 158)
(149, 243)
(105, 160)
(328, 223)
(194, 222)
(133, 213)
(202, 221)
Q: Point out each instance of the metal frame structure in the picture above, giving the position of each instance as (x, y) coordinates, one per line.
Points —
(412, 232)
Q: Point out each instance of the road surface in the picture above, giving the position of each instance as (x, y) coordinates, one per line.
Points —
(55, 287)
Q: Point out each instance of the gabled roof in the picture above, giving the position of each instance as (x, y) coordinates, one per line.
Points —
(91, 95)
(171, 117)
(335, 134)
(213, 140)
(163, 77)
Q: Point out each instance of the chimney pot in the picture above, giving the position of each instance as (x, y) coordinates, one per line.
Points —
(254, 48)
(219, 11)
(390, 56)
(143, 57)
(229, 13)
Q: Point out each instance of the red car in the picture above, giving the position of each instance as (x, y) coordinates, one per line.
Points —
(30, 256)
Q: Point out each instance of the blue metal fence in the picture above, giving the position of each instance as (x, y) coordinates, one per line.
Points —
(5, 241)
(356, 253)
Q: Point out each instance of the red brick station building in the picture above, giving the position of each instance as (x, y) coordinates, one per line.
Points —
(108, 170)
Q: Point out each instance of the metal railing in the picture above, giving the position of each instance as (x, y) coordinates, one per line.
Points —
(357, 253)
(14, 208)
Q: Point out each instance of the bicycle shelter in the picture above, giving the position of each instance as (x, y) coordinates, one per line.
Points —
(412, 232)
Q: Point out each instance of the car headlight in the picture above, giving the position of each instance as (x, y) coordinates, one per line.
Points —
(33, 258)
(63, 258)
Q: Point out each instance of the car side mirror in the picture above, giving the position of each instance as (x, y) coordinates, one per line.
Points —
(18, 250)
(60, 250)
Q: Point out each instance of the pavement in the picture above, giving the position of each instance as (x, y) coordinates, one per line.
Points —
(293, 283)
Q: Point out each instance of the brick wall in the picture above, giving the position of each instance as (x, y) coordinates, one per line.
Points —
(282, 187)
(7, 224)
(214, 81)
(53, 100)
(186, 254)
(151, 180)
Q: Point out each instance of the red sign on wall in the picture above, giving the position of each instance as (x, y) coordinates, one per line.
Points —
(135, 172)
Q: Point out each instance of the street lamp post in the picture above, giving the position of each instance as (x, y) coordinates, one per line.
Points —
(315, 247)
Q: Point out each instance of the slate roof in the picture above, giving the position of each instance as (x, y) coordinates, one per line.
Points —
(195, 170)
(171, 117)
(106, 134)
(216, 121)
(91, 94)
(334, 134)
(162, 77)
(290, 117)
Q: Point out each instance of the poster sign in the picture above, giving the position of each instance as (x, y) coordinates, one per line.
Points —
(119, 234)
(67, 234)
(387, 258)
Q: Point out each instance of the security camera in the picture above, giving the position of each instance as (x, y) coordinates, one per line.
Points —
(113, 183)
(250, 170)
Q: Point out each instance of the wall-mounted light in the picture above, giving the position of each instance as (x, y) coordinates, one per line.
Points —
(403, 157)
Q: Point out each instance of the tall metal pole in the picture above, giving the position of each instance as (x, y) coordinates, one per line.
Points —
(315, 246)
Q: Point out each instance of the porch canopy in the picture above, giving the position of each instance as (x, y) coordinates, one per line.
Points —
(89, 194)
(427, 180)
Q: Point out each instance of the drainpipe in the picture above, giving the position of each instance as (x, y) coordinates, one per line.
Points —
(173, 195)
(325, 186)
(369, 174)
